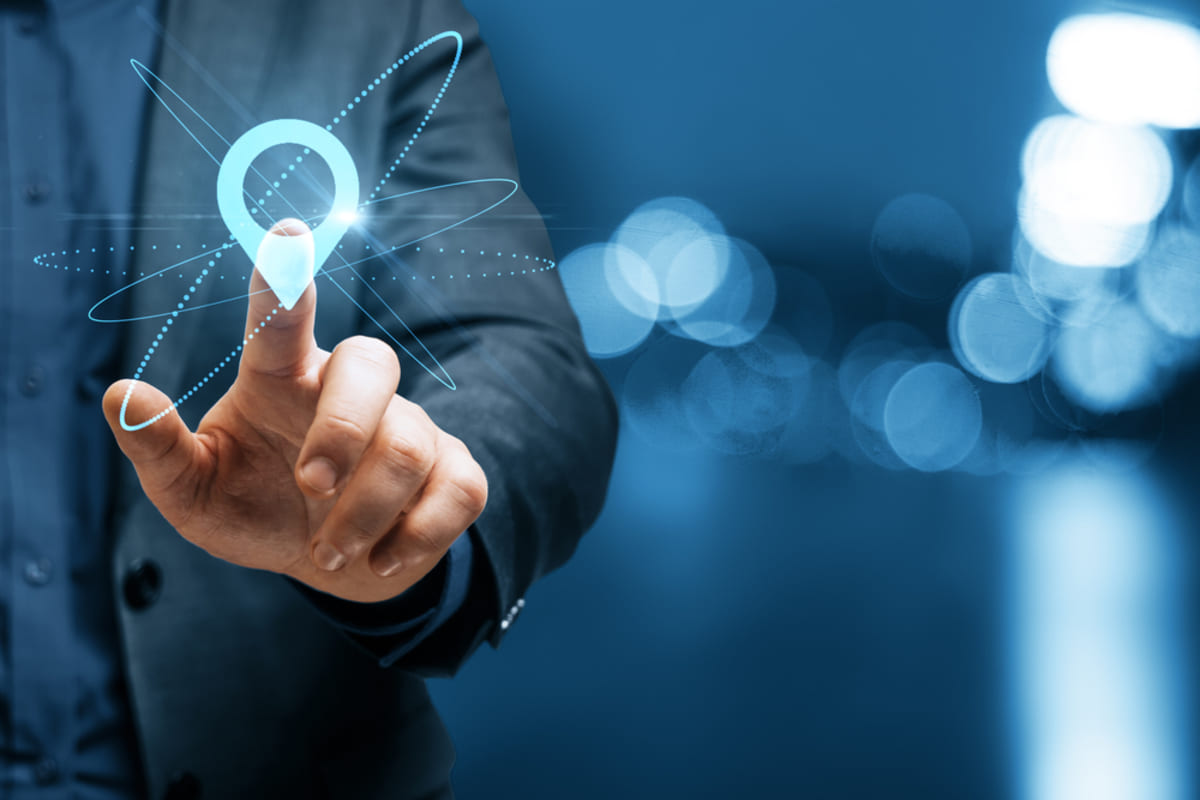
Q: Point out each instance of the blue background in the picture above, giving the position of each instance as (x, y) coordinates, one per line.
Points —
(733, 627)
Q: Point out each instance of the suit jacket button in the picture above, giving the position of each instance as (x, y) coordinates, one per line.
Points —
(142, 584)
(45, 771)
(182, 786)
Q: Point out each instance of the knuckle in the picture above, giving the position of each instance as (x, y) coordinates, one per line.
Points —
(468, 488)
(374, 351)
(422, 417)
(407, 455)
(345, 431)
(416, 418)
(452, 442)
(353, 535)
(425, 539)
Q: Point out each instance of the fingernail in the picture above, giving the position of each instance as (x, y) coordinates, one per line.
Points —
(387, 564)
(320, 474)
(327, 557)
(289, 227)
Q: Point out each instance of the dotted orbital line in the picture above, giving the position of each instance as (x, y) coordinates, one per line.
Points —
(364, 94)
(41, 260)
(544, 265)
(234, 354)
(428, 114)
(283, 176)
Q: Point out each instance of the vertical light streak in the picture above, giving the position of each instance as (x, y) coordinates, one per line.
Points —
(1098, 628)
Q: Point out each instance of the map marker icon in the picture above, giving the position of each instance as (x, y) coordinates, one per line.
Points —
(287, 263)
(286, 259)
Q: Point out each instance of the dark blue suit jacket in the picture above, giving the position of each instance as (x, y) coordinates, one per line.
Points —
(239, 687)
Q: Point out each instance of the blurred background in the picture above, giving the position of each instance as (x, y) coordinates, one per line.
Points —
(901, 302)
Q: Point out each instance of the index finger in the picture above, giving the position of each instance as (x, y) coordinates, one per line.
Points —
(279, 340)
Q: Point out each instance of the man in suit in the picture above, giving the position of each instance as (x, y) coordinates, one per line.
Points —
(320, 523)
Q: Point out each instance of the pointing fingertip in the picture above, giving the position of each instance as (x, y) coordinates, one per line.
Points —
(289, 227)
(320, 474)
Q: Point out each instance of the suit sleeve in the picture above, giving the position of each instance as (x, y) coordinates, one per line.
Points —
(495, 354)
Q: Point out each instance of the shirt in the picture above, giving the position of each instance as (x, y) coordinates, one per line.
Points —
(70, 119)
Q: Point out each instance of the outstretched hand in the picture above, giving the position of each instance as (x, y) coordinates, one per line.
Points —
(311, 465)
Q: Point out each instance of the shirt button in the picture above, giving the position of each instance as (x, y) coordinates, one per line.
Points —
(142, 584)
(29, 25)
(31, 384)
(45, 771)
(36, 191)
(38, 572)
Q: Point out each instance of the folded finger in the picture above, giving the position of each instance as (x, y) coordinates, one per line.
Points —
(393, 470)
(358, 385)
(453, 498)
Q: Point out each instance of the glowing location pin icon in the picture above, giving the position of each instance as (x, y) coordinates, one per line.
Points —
(287, 263)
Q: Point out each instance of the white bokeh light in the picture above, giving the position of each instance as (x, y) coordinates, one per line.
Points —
(1091, 190)
(1127, 69)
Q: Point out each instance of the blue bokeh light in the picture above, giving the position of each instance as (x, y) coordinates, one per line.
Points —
(1111, 365)
(1190, 193)
(609, 327)
(658, 232)
(632, 282)
(921, 246)
(874, 346)
(932, 417)
(738, 400)
(1063, 294)
(867, 413)
(695, 273)
(994, 335)
(737, 307)
(841, 599)
(1168, 282)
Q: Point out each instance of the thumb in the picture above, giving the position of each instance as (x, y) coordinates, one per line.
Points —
(283, 302)
(163, 451)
